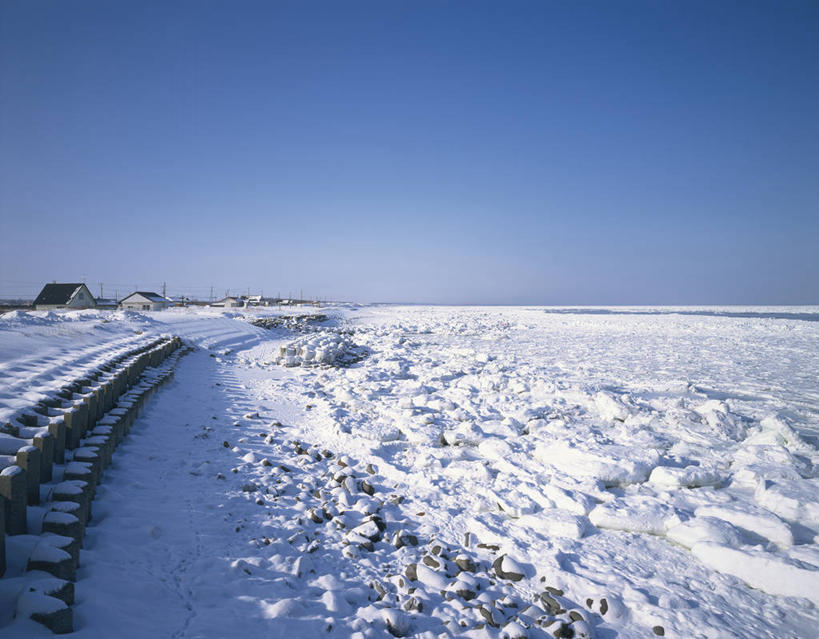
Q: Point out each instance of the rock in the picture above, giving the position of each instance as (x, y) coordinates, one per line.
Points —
(555, 591)
(465, 593)
(382, 526)
(564, 630)
(575, 616)
(370, 469)
(413, 604)
(379, 589)
(226, 444)
(368, 529)
(403, 538)
(659, 630)
(431, 562)
(411, 572)
(487, 614)
(465, 563)
(507, 568)
(604, 606)
(550, 603)
(367, 488)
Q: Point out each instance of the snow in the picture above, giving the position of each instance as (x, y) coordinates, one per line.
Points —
(662, 461)
(759, 569)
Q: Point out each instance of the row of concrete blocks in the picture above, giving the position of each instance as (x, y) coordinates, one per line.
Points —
(57, 424)
(63, 526)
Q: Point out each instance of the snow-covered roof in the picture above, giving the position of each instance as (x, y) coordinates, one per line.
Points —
(53, 294)
(148, 295)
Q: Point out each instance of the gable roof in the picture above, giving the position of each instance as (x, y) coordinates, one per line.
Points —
(57, 293)
(154, 297)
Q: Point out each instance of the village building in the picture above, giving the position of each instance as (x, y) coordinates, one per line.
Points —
(106, 304)
(244, 301)
(145, 301)
(55, 296)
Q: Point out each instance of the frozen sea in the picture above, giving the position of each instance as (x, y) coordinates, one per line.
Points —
(440, 471)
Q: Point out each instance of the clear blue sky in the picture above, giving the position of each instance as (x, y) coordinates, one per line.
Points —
(650, 152)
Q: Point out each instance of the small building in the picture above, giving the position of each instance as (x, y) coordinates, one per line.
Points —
(231, 301)
(244, 301)
(106, 304)
(144, 301)
(74, 296)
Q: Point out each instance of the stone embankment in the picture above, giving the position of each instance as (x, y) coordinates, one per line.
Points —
(52, 458)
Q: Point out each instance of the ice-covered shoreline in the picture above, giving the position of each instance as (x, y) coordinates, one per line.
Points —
(663, 461)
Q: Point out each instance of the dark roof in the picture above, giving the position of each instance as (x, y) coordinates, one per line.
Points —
(154, 297)
(57, 293)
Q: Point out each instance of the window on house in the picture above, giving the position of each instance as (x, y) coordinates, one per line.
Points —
(146, 307)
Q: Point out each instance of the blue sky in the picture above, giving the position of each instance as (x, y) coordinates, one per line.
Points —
(449, 152)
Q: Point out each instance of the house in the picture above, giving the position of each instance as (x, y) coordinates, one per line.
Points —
(73, 296)
(144, 301)
(231, 301)
(244, 301)
(106, 304)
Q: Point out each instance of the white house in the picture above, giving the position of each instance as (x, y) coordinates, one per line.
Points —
(144, 301)
(231, 301)
(106, 303)
(64, 296)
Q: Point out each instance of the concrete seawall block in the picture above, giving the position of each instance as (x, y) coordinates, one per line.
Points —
(58, 432)
(13, 490)
(126, 412)
(115, 420)
(63, 523)
(28, 458)
(45, 444)
(57, 555)
(75, 491)
(81, 414)
(74, 423)
(90, 400)
(65, 508)
(103, 439)
(53, 587)
(48, 611)
(107, 388)
(87, 471)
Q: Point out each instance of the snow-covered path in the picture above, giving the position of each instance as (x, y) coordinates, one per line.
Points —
(652, 468)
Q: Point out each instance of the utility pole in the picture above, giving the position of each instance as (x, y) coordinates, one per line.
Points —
(101, 290)
(163, 289)
(211, 293)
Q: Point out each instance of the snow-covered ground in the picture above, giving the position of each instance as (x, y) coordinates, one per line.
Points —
(658, 467)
